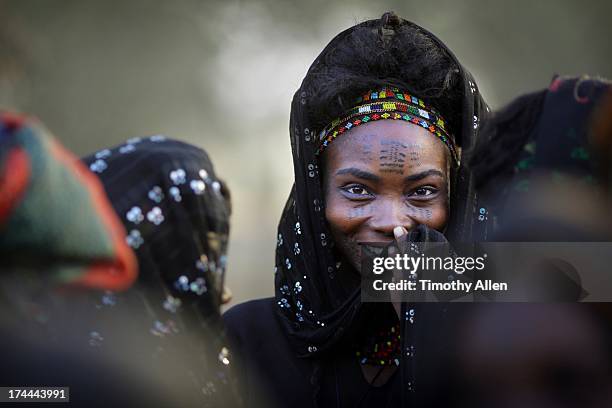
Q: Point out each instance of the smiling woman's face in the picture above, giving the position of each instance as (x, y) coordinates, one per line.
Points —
(382, 175)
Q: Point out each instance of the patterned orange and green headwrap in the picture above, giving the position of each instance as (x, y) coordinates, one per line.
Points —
(390, 103)
(54, 214)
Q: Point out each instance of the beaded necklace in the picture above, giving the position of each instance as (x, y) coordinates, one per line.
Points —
(382, 349)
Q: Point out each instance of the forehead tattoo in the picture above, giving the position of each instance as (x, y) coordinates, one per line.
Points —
(392, 156)
(367, 153)
(414, 156)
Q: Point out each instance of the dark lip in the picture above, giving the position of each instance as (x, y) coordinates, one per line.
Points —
(377, 242)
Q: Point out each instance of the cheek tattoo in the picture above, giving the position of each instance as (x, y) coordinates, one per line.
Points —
(419, 213)
(359, 212)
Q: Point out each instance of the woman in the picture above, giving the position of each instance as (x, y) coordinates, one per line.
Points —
(176, 214)
(53, 251)
(36, 176)
(543, 157)
(79, 310)
(543, 164)
(379, 128)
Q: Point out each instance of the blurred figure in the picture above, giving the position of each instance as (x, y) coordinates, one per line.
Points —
(176, 214)
(538, 168)
(531, 356)
(37, 177)
(59, 240)
(75, 313)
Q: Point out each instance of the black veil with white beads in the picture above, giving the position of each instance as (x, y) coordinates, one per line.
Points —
(314, 307)
(176, 214)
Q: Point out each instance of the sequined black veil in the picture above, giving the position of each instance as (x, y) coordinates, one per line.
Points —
(176, 214)
(314, 307)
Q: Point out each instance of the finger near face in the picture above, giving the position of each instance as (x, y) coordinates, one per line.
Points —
(382, 175)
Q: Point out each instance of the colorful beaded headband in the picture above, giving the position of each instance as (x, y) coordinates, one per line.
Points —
(389, 103)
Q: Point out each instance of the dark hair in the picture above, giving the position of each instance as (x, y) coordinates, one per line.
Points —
(503, 136)
(387, 51)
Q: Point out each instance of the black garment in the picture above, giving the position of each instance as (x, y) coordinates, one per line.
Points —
(268, 370)
(272, 376)
(176, 214)
(314, 309)
(538, 163)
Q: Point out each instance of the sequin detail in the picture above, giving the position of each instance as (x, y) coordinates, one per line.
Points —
(198, 186)
(155, 216)
(109, 299)
(156, 194)
(95, 339)
(129, 148)
(103, 154)
(135, 215)
(175, 193)
(172, 304)
(178, 176)
(161, 329)
(98, 166)
(134, 239)
(224, 356)
(197, 286)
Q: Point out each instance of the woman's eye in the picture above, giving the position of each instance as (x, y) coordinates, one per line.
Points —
(356, 190)
(423, 191)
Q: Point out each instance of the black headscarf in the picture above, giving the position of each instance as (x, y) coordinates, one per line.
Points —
(176, 214)
(314, 307)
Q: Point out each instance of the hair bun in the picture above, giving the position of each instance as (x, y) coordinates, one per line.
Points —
(390, 20)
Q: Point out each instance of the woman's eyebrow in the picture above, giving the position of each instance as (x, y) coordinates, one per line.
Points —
(362, 174)
(423, 174)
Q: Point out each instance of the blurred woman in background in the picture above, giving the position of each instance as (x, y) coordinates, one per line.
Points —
(176, 214)
(123, 316)
(542, 168)
(60, 242)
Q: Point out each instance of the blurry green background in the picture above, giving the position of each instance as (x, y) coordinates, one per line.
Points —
(221, 74)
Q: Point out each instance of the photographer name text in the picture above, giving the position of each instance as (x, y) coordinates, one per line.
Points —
(483, 285)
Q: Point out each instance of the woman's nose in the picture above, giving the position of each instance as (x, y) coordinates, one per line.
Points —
(391, 214)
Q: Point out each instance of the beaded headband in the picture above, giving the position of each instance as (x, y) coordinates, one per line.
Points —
(389, 103)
